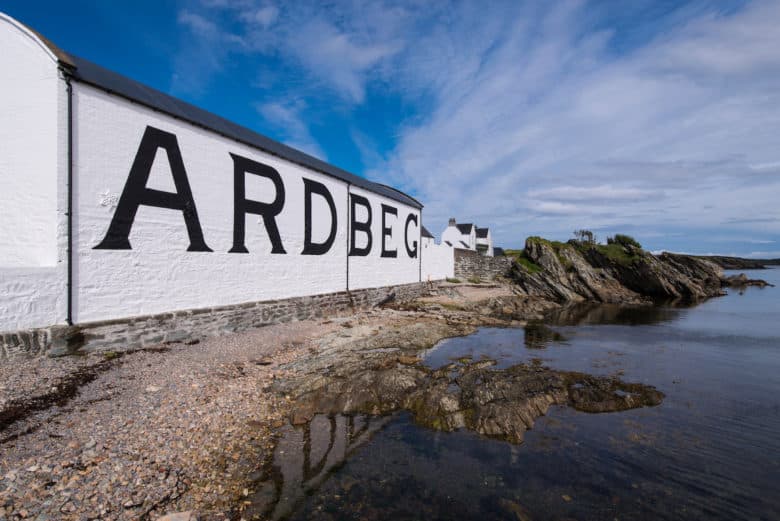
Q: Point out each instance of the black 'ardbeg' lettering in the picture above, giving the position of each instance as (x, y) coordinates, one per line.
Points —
(135, 193)
(243, 206)
(387, 231)
(357, 226)
(412, 251)
(312, 248)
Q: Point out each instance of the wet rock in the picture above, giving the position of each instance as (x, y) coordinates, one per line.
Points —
(597, 394)
(500, 403)
(742, 280)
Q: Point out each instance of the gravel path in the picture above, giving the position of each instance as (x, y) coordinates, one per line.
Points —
(134, 436)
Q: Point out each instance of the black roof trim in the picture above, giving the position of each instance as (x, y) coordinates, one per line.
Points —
(425, 233)
(482, 233)
(448, 243)
(465, 227)
(465, 245)
(92, 74)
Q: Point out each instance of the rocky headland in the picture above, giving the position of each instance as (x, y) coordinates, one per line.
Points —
(621, 273)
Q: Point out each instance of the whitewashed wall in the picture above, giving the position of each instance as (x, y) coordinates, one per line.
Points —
(438, 261)
(32, 154)
(158, 274)
(155, 272)
(373, 270)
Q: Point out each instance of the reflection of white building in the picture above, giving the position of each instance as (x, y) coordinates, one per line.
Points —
(484, 242)
(468, 237)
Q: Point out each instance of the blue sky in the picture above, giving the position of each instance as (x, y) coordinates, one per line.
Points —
(657, 119)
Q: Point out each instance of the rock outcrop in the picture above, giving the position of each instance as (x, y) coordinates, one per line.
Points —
(500, 403)
(574, 272)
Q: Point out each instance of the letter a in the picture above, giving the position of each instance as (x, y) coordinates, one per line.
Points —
(135, 193)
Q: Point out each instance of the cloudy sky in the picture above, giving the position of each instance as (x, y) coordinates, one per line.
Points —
(657, 119)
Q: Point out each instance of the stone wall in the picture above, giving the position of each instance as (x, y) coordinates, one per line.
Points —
(470, 264)
(190, 326)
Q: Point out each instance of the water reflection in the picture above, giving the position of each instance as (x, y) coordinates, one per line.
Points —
(344, 410)
(593, 314)
(305, 456)
(539, 336)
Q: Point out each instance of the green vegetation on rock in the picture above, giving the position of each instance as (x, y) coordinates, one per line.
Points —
(623, 240)
(619, 254)
(522, 259)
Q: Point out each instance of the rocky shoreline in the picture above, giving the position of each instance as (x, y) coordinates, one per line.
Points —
(191, 428)
(200, 428)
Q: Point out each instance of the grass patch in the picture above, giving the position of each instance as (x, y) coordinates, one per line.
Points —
(452, 280)
(617, 253)
(555, 245)
(529, 265)
(522, 259)
(475, 280)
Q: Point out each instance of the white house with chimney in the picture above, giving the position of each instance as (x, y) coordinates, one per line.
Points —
(462, 236)
(467, 236)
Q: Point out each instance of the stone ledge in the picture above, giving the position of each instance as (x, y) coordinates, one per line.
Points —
(191, 325)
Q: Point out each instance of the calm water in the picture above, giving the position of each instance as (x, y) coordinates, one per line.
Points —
(710, 451)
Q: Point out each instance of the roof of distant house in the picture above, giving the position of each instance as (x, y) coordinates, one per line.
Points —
(92, 74)
(426, 233)
(465, 228)
(482, 233)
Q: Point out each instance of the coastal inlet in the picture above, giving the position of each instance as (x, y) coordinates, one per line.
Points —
(463, 440)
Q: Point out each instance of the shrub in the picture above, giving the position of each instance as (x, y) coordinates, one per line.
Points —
(624, 240)
(453, 281)
(475, 280)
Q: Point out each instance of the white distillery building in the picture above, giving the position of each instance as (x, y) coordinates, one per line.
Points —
(467, 236)
(118, 201)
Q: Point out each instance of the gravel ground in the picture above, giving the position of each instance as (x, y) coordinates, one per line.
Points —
(175, 428)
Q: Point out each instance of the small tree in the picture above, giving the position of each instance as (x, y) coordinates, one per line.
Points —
(585, 236)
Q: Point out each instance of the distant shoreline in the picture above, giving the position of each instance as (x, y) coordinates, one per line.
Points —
(739, 263)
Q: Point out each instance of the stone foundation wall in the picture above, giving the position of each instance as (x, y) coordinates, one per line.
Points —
(470, 264)
(189, 326)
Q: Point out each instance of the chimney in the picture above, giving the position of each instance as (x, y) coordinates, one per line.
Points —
(452, 221)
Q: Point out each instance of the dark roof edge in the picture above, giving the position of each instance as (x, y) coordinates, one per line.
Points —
(114, 83)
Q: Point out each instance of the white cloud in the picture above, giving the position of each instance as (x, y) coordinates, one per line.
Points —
(288, 118)
(550, 129)
(263, 16)
(545, 117)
